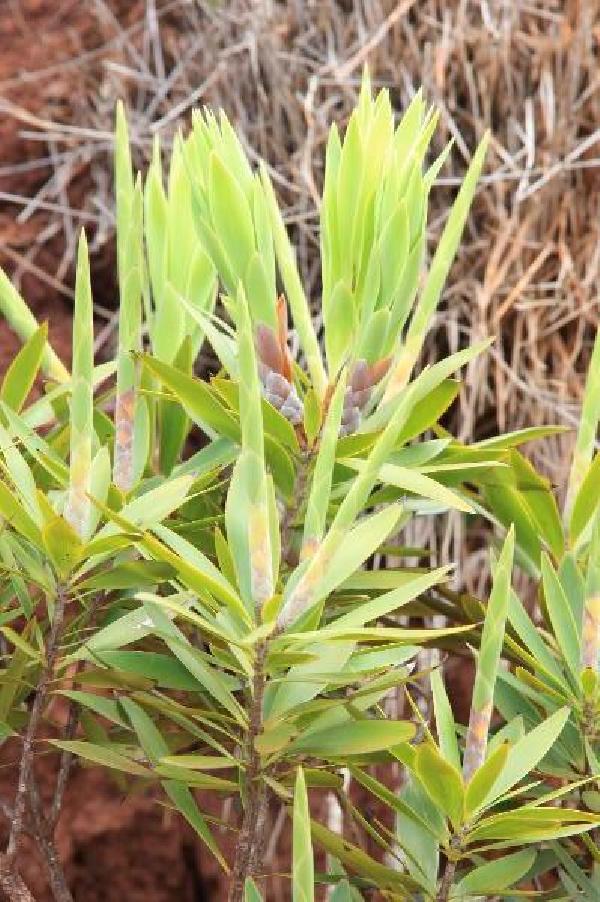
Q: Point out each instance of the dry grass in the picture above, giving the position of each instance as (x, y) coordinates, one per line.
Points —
(528, 268)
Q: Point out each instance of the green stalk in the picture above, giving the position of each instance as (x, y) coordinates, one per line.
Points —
(586, 434)
(320, 488)
(490, 649)
(82, 397)
(438, 273)
(130, 266)
(590, 633)
(294, 291)
(258, 530)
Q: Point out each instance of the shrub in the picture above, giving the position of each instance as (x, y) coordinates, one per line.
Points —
(207, 614)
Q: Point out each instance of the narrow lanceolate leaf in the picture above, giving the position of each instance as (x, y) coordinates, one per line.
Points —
(320, 489)
(303, 879)
(411, 480)
(251, 891)
(130, 263)
(588, 425)
(20, 376)
(359, 737)
(444, 720)
(492, 638)
(491, 878)
(442, 782)
(82, 401)
(247, 514)
(527, 752)
(23, 322)
(294, 290)
(564, 624)
(438, 272)
(590, 633)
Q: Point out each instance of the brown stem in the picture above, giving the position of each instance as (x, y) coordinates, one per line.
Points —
(250, 837)
(67, 758)
(43, 835)
(447, 881)
(37, 709)
(64, 768)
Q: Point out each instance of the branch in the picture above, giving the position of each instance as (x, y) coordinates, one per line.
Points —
(42, 832)
(41, 693)
(64, 768)
(250, 836)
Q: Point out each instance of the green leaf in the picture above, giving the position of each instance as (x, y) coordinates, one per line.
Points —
(231, 217)
(527, 752)
(520, 436)
(63, 546)
(251, 892)
(442, 782)
(588, 427)
(21, 374)
(165, 670)
(360, 543)
(198, 399)
(589, 886)
(444, 720)
(355, 738)
(414, 585)
(320, 487)
(186, 804)
(303, 875)
(415, 482)
(561, 618)
(200, 762)
(155, 748)
(521, 496)
(106, 707)
(344, 892)
(429, 410)
(14, 512)
(19, 642)
(274, 423)
(107, 757)
(22, 321)
(490, 649)
(447, 246)
(482, 781)
(493, 877)
(353, 858)
(312, 416)
(532, 640)
(130, 575)
(194, 569)
(532, 825)
(78, 505)
(211, 678)
(340, 326)
(293, 289)
(152, 742)
(586, 501)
